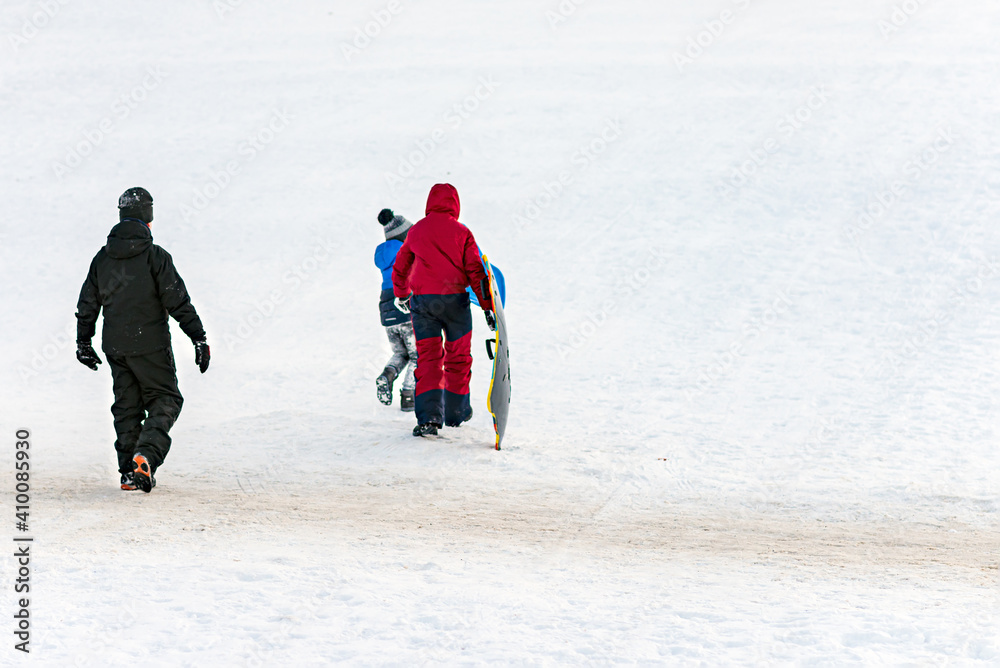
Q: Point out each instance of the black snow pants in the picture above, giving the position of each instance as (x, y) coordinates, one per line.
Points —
(147, 403)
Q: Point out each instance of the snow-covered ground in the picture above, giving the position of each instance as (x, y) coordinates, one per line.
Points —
(753, 268)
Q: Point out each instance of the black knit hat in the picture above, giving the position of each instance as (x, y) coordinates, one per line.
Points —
(136, 203)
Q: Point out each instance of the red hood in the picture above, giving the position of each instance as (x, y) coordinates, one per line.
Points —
(443, 198)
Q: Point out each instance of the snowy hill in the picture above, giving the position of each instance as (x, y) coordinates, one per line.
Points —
(752, 270)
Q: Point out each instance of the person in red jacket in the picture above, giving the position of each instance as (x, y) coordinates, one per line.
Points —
(437, 262)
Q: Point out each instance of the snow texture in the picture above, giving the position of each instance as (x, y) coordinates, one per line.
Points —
(752, 256)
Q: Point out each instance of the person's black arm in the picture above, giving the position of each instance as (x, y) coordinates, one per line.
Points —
(88, 307)
(174, 295)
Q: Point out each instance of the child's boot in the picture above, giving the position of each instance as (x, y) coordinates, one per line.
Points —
(406, 399)
(383, 385)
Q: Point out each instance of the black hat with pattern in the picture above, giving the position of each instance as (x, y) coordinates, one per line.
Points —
(136, 203)
(395, 226)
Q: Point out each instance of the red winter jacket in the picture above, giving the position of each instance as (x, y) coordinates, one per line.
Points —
(440, 255)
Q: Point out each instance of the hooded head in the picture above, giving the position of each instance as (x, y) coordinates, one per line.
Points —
(128, 239)
(443, 198)
(136, 203)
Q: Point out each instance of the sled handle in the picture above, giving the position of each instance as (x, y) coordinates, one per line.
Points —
(490, 352)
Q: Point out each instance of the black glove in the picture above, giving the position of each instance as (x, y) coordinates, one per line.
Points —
(491, 320)
(202, 355)
(86, 355)
(403, 304)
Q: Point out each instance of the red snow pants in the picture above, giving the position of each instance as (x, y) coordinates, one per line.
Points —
(444, 367)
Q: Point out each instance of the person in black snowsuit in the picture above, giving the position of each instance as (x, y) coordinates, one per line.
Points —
(136, 284)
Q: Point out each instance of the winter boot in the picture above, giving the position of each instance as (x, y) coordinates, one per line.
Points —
(426, 429)
(406, 400)
(142, 473)
(468, 416)
(383, 385)
(127, 483)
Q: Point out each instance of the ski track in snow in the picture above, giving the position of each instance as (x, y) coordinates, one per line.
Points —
(748, 426)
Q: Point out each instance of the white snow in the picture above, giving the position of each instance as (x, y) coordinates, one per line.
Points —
(748, 425)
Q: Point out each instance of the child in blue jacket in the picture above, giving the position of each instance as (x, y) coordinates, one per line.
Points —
(397, 324)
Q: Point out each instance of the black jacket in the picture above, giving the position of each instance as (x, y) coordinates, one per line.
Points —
(388, 312)
(135, 281)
